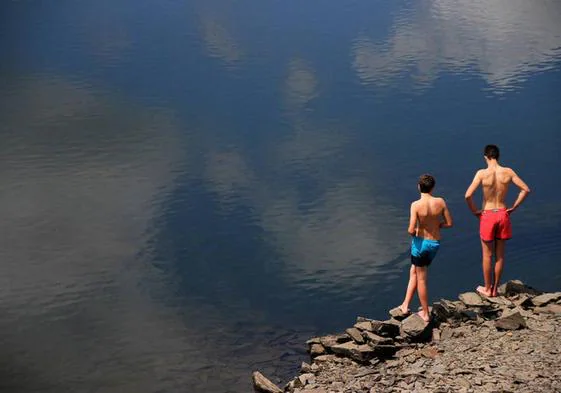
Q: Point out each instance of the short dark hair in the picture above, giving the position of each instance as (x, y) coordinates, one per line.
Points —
(491, 152)
(426, 183)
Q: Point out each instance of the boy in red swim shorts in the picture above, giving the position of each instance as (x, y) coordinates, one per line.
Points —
(494, 220)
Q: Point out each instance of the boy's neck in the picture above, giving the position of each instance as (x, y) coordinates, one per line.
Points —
(492, 163)
(425, 195)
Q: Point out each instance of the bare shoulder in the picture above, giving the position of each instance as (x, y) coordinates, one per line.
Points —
(440, 201)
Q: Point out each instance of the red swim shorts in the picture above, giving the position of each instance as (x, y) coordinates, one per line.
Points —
(495, 224)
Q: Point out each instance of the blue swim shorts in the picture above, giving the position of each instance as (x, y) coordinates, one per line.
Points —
(423, 251)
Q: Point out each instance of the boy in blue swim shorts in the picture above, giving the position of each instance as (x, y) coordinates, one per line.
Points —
(428, 215)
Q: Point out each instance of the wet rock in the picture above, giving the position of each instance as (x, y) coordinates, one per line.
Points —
(414, 326)
(263, 385)
(542, 300)
(511, 321)
(472, 299)
(354, 333)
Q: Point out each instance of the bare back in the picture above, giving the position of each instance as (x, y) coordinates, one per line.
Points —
(429, 212)
(494, 183)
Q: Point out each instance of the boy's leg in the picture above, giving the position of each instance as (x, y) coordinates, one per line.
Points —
(411, 287)
(487, 255)
(421, 273)
(499, 263)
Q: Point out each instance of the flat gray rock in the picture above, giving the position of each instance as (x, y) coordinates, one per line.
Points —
(398, 314)
(376, 339)
(317, 350)
(354, 333)
(511, 321)
(471, 299)
(389, 328)
(413, 326)
(360, 353)
(542, 300)
(364, 325)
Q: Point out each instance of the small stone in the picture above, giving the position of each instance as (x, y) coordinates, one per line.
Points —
(305, 368)
(447, 333)
(354, 333)
(435, 335)
(472, 299)
(510, 321)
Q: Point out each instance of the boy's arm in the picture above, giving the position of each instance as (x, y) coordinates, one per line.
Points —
(448, 222)
(412, 230)
(469, 194)
(524, 191)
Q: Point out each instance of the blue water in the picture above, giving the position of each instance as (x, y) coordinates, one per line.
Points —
(190, 190)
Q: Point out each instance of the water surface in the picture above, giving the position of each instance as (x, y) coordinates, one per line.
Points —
(190, 190)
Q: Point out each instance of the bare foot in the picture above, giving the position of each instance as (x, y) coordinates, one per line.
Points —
(494, 291)
(405, 310)
(425, 316)
(483, 291)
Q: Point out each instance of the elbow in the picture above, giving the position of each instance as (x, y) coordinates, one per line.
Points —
(467, 197)
(527, 190)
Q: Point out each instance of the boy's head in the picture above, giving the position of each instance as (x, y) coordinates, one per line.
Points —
(426, 183)
(491, 152)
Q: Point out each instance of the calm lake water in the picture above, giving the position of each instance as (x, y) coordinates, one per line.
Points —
(191, 189)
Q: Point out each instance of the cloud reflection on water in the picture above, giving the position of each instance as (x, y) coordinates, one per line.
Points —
(504, 40)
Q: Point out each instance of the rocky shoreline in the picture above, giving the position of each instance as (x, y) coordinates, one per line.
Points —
(509, 343)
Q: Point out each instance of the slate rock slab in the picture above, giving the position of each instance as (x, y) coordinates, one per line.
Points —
(360, 353)
(511, 321)
(263, 385)
(354, 333)
(472, 299)
(542, 300)
(397, 314)
(413, 326)
(514, 287)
